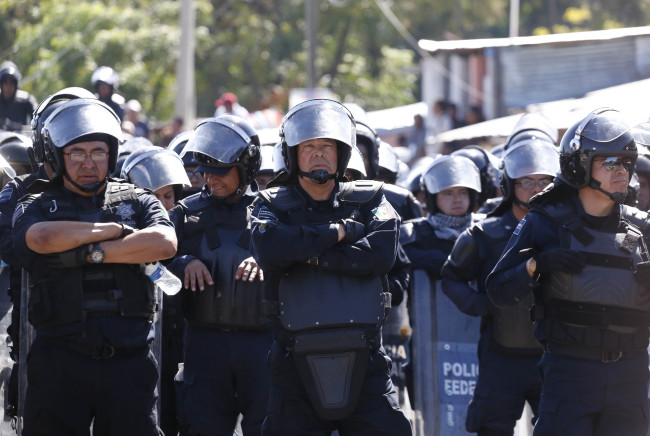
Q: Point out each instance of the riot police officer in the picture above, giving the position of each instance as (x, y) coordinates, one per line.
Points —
(16, 105)
(227, 336)
(161, 171)
(582, 253)
(508, 352)
(83, 241)
(325, 247)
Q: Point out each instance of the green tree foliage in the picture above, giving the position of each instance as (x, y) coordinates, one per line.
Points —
(257, 49)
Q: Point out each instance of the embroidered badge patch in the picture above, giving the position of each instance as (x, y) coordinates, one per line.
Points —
(383, 213)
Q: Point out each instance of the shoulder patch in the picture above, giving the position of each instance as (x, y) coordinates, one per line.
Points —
(18, 212)
(6, 192)
(383, 213)
(265, 214)
(519, 226)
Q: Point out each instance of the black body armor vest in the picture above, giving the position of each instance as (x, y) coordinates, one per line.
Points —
(68, 295)
(315, 298)
(220, 237)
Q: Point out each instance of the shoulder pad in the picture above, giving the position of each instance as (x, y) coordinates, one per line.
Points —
(493, 228)
(412, 230)
(283, 198)
(558, 211)
(359, 192)
(194, 202)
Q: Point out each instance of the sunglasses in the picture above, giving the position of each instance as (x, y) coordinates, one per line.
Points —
(611, 163)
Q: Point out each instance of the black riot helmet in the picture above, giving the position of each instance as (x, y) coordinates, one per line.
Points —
(450, 172)
(219, 144)
(9, 70)
(527, 157)
(14, 148)
(153, 168)
(356, 168)
(601, 133)
(487, 165)
(45, 108)
(641, 133)
(177, 145)
(79, 120)
(388, 164)
(318, 118)
(125, 149)
(532, 125)
(244, 125)
(367, 137)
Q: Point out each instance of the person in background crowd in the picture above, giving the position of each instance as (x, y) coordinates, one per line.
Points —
(474, 115)
(132, 114)
(170, 132)
(583, 256)
(227, 104)
(16, 105)
(507, 351)
(106, 81)
(417, 137)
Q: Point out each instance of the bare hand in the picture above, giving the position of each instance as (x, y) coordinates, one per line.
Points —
(197, 272)
(248, 269)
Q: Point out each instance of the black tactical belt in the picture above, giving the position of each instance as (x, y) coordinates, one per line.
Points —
(603, 356)
(589, 314)
(106, 351)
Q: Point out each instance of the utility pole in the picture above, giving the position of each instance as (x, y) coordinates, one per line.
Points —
(514, 18)
(311, 18)
(185, 104)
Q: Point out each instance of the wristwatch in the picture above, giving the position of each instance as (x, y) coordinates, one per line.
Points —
(96, 254)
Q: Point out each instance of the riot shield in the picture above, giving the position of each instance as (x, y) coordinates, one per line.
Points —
(26, 338)
(445, 361)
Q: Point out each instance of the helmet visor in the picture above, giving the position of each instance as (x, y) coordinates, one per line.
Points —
(155, 169)
(531, 157)
(450, 172)
(319, 119)
(220, 142)
(605, 128)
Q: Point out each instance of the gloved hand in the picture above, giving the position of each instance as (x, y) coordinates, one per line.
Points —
(68, 259)
(559, 259)
(354, 230)
(126, 230)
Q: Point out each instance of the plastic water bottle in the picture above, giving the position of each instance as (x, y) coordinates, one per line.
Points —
(161, 277)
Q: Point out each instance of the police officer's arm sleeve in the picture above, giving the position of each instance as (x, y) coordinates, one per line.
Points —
(399, 276)
(458, 271)
(276, 246)
(375, 253)
(154, 240)
(509, 281)
(8, 201)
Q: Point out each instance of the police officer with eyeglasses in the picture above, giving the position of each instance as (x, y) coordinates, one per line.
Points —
(582, 254)
(83, 240)
(507, 351)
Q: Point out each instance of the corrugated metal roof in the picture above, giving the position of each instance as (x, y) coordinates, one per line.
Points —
(556, 38)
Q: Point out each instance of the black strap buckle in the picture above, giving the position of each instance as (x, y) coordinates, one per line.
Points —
(611, 356)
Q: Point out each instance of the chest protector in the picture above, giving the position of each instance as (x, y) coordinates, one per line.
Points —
(68, 295)
(313, 298)
(512, 329)
(604, 306)
(220, 237)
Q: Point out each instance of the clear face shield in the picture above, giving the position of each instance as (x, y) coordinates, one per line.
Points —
(155, 168)
(530, 158)
(450, 172)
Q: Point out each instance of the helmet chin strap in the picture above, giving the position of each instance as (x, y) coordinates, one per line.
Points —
(317, 176)
(86, 187)
(518, 202)
(226, 198)
(616, 197)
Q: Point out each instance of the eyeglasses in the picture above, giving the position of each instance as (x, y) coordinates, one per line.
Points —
(612, 162)
(195, 173)
(95, 156)
(530, 183)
